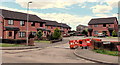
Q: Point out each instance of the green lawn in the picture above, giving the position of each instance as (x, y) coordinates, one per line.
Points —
(41, 41)
(113, 53)
(10, 45)
(111, 37)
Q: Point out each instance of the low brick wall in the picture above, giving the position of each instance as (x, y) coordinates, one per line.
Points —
(112, 46)
(13, 41)
(53, 41)
(17, 41)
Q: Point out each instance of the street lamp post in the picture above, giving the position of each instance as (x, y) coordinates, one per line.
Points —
(27, 20)
(62, 27)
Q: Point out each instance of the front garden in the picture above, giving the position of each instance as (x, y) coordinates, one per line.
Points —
(103, 47)
(10, 45)
(107, 52)
(50, 38)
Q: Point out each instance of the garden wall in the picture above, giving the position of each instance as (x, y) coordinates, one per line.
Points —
(112, 46)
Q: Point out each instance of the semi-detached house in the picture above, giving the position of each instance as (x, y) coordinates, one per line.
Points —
(51, 25)
(102, 25)
(13, 24)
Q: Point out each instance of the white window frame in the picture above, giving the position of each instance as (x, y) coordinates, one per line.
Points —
(22, 34)
(22, 23)
(95, 25)
(10, 22)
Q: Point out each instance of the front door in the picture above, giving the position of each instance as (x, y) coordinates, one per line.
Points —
(15, 32)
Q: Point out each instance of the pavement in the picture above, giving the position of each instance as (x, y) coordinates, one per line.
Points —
(90, 56)
(18, 48)
(96, 57)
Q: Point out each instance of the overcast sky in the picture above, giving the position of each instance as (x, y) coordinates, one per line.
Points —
(71, 12)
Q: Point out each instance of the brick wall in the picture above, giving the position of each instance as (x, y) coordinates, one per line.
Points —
(100, 28)
(22, 28)
(1, 27)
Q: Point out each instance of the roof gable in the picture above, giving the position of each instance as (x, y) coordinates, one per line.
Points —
(51, 23)
(65, 25)
(109, 20)
(19, 16)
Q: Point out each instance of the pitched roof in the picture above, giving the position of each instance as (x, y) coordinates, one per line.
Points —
(109, 20)
(7, 14)
(51, 23)
(65, 25)
(82, 25)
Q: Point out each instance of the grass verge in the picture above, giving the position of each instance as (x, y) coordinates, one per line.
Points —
(10, 45)
(112, 53)
(41, 41)
(111, 37)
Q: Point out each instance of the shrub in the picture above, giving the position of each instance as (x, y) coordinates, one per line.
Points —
(56, 34)
(39, 34)
(85, 32)
(114, 34)
(50, 37)
(99, 45)
(13, 41)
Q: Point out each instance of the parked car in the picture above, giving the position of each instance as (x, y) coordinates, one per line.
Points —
(66, 35)
(80, 34)
(101, 35)
(71, 34)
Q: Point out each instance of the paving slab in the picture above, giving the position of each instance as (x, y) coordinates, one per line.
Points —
(90, 55)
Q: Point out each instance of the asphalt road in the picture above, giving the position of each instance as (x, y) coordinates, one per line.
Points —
(58, 53)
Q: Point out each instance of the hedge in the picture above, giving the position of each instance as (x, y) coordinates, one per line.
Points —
(13, 41)
(99, 45)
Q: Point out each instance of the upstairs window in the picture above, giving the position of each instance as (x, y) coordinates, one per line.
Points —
(95, 25)
(10, 22)
(32, 23)
(41, 24)
(104, 25)
(22, 23)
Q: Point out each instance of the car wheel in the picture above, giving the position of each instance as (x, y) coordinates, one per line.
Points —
(86, 47)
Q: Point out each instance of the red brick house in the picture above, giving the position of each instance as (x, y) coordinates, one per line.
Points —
(80, 28)
(51, 25)
(13, 24)
(66, 28)
(102, 25)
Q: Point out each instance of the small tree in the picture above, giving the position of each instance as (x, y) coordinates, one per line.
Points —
(114, 33)
(85, 32)
(39, 34)
(56, 34)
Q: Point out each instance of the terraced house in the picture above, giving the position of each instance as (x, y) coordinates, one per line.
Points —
(103, 25)
(66, 28)
(13, 24)
(51, 25)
